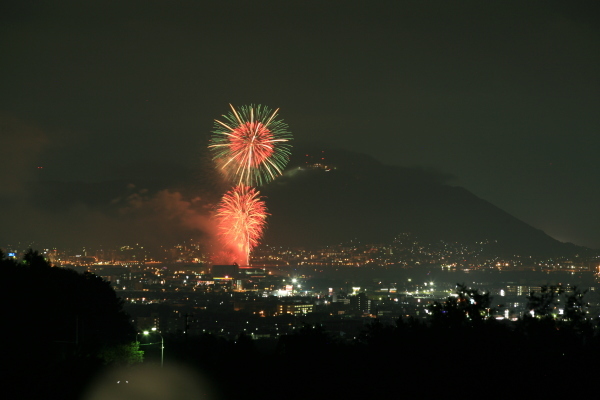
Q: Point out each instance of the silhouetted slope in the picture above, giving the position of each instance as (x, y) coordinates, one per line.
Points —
(362, 198)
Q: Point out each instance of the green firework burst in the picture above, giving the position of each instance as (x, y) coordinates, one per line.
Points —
(251, 146)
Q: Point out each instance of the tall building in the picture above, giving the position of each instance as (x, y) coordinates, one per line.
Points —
(361, 303)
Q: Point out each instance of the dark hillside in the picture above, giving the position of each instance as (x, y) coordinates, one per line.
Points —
(353, 196)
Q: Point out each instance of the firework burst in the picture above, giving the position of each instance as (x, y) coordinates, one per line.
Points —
(251, 147)
(241, 219)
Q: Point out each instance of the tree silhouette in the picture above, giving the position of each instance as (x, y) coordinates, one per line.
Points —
(468, 307)
(575, 306)
(542, 304)
(56, 318)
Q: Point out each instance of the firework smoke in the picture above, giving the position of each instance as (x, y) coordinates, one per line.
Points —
(241, 218)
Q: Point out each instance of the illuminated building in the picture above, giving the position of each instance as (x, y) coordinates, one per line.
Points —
(361, 303)
(294, 308)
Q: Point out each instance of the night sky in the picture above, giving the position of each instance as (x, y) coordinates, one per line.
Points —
(96, 97)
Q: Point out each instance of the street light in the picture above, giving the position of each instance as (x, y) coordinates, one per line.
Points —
(162, 343)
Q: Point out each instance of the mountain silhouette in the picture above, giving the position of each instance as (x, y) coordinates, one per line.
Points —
(333, 196)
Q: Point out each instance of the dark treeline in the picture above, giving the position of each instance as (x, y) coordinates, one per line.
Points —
(60, 327)
(459, 350)
(63, 328)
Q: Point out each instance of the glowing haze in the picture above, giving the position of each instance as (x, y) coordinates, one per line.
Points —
(241, 218)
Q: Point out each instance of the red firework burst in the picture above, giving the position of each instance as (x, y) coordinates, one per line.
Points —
(251, 144)
(251, 147)
(241, 218)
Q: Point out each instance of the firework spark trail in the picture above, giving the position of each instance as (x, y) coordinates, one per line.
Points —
(241, 218)
(251, 147)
